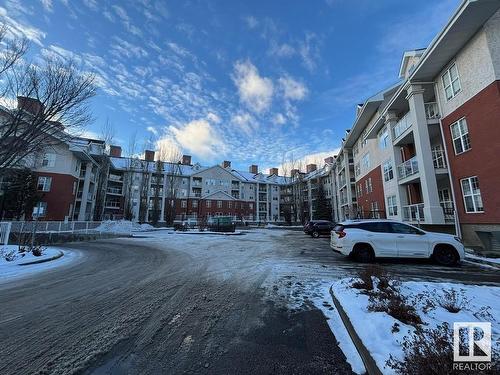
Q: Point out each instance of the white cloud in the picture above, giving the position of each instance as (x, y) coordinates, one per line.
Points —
(47, 5)
(317, 158)
(213, 118)
(281, 50)
(309, 51)
(199, 138)
(152, 130)
(254, 91)
(292, 89)
(251, 22)
(246, 123)
(279, 119)
(18, 29)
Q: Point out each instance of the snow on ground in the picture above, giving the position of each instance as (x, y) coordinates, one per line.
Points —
(13, 270)
(482, 303)
(488, 260)
(123, 226)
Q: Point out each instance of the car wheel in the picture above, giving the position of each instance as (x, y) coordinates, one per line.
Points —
(445, 256)
(364, 255)
(315, 234)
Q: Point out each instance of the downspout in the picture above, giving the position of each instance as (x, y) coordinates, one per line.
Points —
(458, 231)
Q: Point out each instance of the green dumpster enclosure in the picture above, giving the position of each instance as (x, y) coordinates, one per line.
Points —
(221, 224)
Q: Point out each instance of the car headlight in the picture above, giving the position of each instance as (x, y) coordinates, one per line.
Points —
(457, 239)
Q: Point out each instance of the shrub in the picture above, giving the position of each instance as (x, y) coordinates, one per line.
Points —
(392, 302)
(37, 251)
(431, 352)
(366, 275)
(8, 255)
(453, 301)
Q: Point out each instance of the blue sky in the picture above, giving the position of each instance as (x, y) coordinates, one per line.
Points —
(246, 81)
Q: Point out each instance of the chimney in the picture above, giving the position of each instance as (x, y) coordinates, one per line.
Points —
(186, 160)
(329, 160)
(310, 168)
(31, 105)
(115, 151)
(149, 155)
(226, 164)
(273, 171)
(254, 169)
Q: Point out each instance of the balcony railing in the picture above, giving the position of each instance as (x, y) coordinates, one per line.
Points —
(414, 212)
(112, 190)
(431, 110)
(342, 182)
(400, 127)
(438, 158)
(408, 168)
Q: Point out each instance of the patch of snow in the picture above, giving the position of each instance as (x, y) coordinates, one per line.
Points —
(123, 227)
(483, 305)
(13, 270)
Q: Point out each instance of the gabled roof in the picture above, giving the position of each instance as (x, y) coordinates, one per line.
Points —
(406, 58)
(218, 192)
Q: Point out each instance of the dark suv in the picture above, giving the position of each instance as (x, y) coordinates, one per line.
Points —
(315, 228)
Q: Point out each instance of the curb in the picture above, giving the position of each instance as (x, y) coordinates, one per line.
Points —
(42, 260)
(210, 233)
(370, 364)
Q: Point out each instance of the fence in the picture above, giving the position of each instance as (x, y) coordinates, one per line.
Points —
(5, 229)
(53, 226)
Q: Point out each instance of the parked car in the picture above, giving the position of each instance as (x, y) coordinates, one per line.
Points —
(366, 240)
(315, 228)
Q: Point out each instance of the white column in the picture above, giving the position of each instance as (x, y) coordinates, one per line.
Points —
(85, 192)
(432, 209)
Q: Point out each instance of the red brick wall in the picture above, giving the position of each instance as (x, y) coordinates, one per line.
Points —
(377, 193)
(482, 114)
(60, 196)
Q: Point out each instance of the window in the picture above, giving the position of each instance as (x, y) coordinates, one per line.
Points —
(359, 189)
(44, 183)
(472, 195)
(370, 186)
(230, 204)
(357, 170)
(383, 139)
(451, 83)
(219, 204)
(355, 149)
(365, 161)
(374, 210)
(388, 171)
(460, 136)
(250, 206)
(380, 227)
(194, 204)
(183, 204)
(366, 187)
(392, 205)
(48, 160)
(209, 203)
(404, 229)
(438, 158)
(40, 209)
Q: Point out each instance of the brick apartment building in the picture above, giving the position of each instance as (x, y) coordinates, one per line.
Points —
(423, 151)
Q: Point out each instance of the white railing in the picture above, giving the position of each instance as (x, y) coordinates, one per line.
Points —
(400, 127)
(5, 228)
(408, 168)
(431, 110)
(53, 226)
(414, 212)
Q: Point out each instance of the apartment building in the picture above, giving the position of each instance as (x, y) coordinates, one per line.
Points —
(424, 150)
(187, 190)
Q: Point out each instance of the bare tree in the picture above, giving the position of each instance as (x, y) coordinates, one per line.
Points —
(107, 135)
(171, 155)
(13, 49)
(49, 95)
(128, 179)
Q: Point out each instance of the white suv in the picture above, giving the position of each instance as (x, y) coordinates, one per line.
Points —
(367, 239)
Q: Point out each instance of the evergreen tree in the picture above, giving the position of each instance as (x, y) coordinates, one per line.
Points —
(323, 206)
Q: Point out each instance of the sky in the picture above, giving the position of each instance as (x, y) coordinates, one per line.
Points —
(254, 82)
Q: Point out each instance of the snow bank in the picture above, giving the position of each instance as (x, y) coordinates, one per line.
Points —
(482, 259)
(375, 328)
(123, 226)
(10, 270)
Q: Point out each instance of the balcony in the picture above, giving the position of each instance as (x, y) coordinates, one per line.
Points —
(113, 204)
(115, 178)
(438, 157)
(414, 212)
(431, 111)
(342, 182)
(408, 168)
(401, 126)
(113, 190)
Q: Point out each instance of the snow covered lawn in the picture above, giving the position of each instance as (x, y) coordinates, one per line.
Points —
(472, 257)
(16, 268)
(384, 335)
